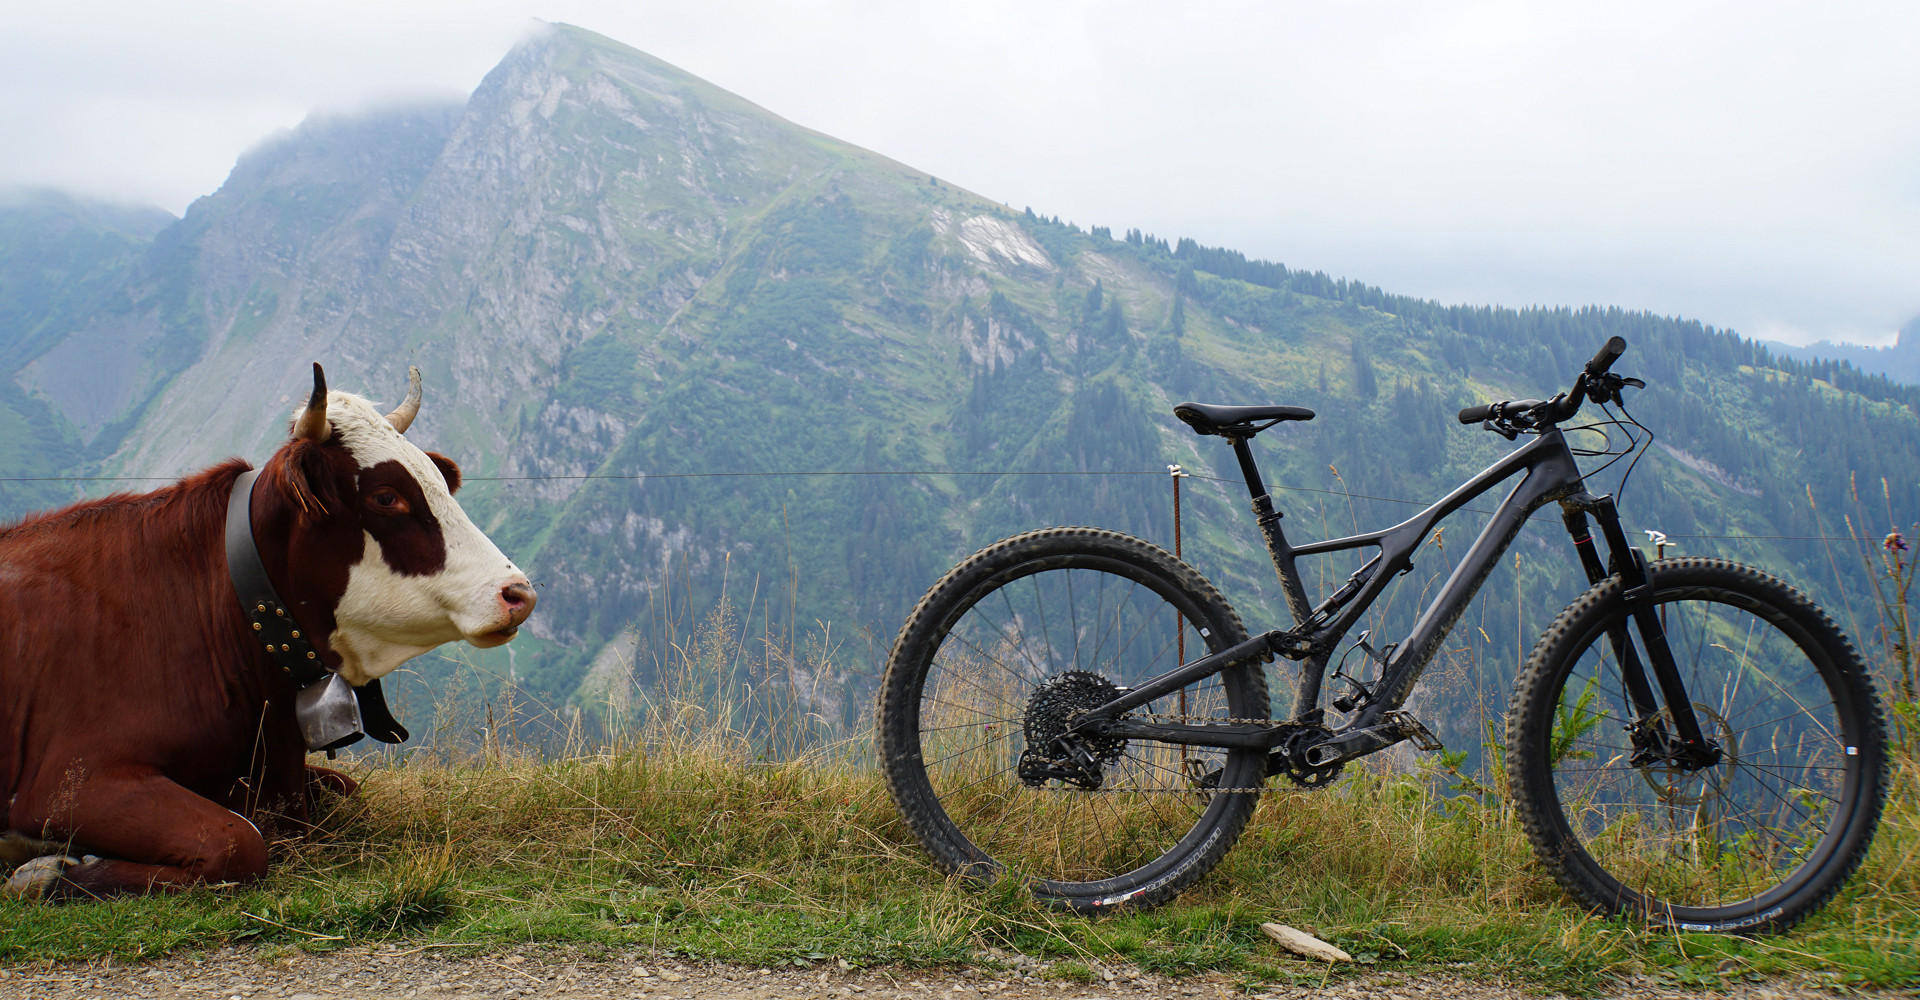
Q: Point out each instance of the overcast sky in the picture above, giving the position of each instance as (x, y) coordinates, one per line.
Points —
(1750, 164)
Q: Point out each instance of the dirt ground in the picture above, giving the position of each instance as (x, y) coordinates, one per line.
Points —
(426, 972)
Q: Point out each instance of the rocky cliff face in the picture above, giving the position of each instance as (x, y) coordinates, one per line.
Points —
(620, 281)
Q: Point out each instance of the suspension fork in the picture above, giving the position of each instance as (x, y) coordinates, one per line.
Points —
(1693, 748)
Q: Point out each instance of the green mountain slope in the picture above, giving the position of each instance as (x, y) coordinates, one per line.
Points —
(65, 265)
(669, 334)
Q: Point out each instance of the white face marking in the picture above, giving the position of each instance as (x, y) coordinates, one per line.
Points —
(384, 618)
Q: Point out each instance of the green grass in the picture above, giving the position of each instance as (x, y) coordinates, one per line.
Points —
(688, 845)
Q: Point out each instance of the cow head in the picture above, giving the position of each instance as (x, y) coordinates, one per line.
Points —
(361, 534)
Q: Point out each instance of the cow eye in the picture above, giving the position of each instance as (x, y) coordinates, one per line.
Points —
(388, 500)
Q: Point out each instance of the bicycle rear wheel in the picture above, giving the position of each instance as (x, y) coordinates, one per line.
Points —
(1754, 842)
(995, 661)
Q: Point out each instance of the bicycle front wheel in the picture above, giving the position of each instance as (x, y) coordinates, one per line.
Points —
(990, 669)
(1757, 840)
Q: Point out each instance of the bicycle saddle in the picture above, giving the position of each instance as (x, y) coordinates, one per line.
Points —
(1237, 421)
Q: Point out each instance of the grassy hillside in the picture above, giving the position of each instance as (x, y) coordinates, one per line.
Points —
(686, 349)
(65, 265)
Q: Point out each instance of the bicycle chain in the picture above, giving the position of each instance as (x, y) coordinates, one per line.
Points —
(1328, 773)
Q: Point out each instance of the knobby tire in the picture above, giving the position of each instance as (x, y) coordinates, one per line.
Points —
(1753, 843)
(1066, 610)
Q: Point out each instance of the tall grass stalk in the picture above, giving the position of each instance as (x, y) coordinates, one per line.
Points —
(725, 809)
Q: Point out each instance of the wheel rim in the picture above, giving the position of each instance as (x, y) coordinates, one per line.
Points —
(1046, 627)
(1732, 837)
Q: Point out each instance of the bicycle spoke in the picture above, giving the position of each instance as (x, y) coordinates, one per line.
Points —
(1729, 831)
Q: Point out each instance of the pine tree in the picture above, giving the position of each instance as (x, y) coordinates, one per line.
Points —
(1364, 382)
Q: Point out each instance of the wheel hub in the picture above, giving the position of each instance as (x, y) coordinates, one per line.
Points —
(1673, 774)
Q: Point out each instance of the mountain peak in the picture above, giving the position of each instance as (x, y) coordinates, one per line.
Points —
(651, 313)
(580, 56)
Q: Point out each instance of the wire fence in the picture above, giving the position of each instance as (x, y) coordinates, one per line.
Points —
(994, 473)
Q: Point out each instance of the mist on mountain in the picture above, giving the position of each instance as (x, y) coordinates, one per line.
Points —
(689, 353)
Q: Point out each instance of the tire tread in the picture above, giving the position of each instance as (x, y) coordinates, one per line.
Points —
(1537, 678)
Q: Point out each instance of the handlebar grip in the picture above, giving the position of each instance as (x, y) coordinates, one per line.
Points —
(1475, 414)
(1609, 353)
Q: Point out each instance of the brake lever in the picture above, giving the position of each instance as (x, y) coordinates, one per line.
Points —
(1606, 388)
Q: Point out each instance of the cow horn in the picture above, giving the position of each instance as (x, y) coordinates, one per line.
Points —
(402, 416)
(312, 423)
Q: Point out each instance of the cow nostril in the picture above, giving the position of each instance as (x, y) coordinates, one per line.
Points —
(518, 597)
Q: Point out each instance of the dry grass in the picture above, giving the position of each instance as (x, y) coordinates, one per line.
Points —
(678, 836)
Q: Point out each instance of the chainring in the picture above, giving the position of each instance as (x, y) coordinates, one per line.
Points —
(1291, 759)
(1049, 716)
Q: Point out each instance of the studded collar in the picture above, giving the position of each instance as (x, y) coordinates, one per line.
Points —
(272, 624)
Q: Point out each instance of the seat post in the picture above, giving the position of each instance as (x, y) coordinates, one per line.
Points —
(1269, 520)
(1256, 489)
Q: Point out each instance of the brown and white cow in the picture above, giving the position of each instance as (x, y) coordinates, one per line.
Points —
(143, 731)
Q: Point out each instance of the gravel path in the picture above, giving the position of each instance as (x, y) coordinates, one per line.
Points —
(402, 972)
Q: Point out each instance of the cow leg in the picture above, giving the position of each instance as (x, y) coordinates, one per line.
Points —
(331, 780)
(17, 849)
(149, 835)
(35, 864)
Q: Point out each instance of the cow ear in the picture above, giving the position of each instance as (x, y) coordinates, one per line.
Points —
(306, 480)
(448, 469)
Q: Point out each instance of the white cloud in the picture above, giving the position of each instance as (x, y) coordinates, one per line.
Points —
(1755, 165)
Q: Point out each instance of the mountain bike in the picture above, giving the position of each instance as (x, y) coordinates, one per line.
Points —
(1691, 742)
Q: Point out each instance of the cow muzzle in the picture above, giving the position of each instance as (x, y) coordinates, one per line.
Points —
(515, 602)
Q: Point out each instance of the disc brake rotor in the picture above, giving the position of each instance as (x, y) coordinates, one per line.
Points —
(1689, 787)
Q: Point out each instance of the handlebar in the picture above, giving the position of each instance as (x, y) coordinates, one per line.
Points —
(1475, 414)
(1513, 416)
(1609, 353)
(1488, 411)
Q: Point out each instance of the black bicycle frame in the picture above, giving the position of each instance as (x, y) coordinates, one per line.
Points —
(1550, 474)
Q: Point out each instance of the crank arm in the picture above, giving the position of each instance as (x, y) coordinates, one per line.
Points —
(1398, 727)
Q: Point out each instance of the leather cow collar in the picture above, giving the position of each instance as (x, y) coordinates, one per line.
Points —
(332, 713)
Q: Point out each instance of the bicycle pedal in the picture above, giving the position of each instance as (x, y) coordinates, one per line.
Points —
(1416, 731)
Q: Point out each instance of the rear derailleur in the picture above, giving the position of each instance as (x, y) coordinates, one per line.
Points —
(1053, 752)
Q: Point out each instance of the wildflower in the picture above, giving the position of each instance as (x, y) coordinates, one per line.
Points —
(1895, 543)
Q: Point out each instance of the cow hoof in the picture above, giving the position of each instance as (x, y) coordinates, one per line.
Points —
(33, 879)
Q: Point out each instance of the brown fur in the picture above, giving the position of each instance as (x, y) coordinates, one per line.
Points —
(137, 715)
